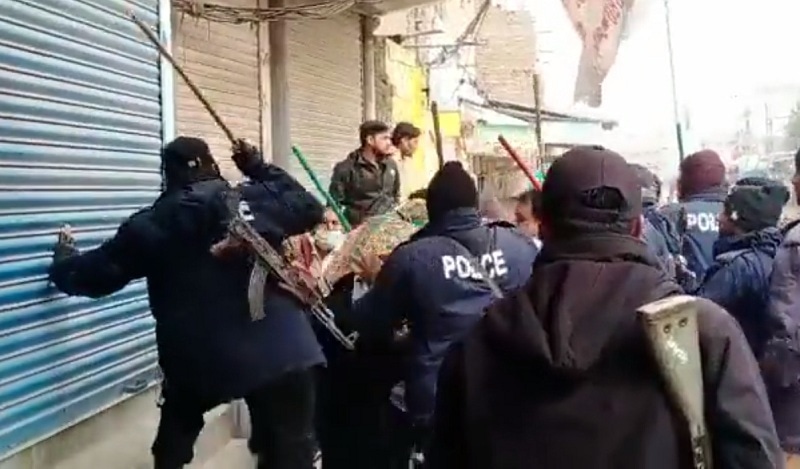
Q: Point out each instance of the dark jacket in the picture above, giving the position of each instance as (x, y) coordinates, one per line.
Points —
(206, 340)
(365, 189)
(738, 281)
(556, 379)
(696, 219)
(429, 282)
(657, 243)
(782, 352)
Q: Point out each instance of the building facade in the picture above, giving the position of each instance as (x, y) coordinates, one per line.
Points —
(85, 113)
(87, 104)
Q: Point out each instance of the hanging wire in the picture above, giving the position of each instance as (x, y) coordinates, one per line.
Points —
(243, 15)
(472, 29)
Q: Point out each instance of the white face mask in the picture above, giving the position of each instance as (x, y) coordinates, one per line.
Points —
(334, 239)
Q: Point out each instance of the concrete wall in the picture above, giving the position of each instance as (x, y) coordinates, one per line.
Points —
(402, 83)
(118, 438)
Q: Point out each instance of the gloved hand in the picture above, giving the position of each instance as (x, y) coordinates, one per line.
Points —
(247, 157)
(65, 246)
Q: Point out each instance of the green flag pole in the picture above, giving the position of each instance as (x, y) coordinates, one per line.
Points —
(314, 179)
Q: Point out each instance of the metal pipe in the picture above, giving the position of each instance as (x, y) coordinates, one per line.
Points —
(675, 111)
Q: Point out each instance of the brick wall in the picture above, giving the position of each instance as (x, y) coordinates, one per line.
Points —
(505, 61)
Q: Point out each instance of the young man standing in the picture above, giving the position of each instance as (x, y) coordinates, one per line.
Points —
(367, 182)
(405, 137)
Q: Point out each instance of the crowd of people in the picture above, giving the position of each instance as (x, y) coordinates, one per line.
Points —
(488, 340)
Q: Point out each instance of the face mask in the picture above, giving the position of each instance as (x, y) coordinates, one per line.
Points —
(334, 239)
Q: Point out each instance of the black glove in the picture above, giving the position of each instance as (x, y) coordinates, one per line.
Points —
(65, 246)
(247, 157)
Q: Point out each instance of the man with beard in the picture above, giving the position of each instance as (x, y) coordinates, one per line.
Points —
(210, 350)
(367, 182)
(559, 374)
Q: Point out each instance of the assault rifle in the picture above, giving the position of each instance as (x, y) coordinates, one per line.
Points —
(672, 332)
(269, 260)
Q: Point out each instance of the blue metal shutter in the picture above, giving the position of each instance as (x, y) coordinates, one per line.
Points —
(80, 132)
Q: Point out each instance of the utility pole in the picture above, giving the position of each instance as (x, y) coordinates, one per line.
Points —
(676, 113)
(537, 96)
(768, 145)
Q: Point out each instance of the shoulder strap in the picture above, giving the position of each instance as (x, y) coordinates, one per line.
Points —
(671, 327)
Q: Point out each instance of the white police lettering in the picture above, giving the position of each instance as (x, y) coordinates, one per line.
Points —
(494, 263)
(245, 212)
(702, 222)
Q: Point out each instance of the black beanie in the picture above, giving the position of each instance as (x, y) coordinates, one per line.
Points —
(450, 188)
(185, 160)
(186, 152)
(756, 207)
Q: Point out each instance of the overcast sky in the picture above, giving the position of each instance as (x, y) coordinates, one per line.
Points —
(722, 48)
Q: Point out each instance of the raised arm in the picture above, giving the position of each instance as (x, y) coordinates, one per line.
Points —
(194, 216)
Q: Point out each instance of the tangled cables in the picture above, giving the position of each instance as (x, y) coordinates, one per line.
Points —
(238, 15)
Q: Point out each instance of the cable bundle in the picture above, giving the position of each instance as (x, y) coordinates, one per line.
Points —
(243, 15)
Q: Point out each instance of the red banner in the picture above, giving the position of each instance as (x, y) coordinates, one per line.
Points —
(600, 25)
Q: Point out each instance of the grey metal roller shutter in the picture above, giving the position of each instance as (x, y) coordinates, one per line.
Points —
(80, 113)
(325, 91)
(222, 60)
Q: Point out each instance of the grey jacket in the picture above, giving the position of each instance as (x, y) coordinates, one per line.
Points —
(781, 361)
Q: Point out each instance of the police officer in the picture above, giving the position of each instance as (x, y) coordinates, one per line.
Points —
(210, 351)
(739, 278)
(701, 195)
(437, 283)
(658, 232)
(367, 182)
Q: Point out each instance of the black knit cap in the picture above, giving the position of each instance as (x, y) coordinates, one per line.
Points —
(701, 171)
(450, 188)
(580, 177)
(187, 152)
(755, 207)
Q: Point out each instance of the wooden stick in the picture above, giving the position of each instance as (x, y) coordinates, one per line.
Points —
(437, 132)
(520, 162)
(199, 94)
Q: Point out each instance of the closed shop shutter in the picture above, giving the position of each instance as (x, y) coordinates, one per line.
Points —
(80, 115)
(222, 60)
(325, 91)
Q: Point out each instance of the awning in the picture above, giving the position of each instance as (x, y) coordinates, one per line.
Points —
(528, 114)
